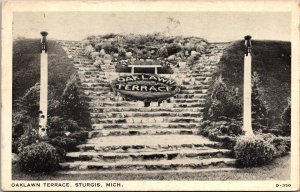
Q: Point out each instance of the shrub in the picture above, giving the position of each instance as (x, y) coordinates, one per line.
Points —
(252, 151)
(121, 68)
(28, 138)
(173, 48)
(74, 105)
(165, 69)
(59, 126)
(282, 144)
(222, 101)
(29, 102)
(19, 123)
(88, 50)
(109, 48)
(286, 119)
(258, 106)
(40, 157)
(85, 43)
(63, 144)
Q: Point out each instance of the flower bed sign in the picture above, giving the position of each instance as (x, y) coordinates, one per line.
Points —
(143, 87)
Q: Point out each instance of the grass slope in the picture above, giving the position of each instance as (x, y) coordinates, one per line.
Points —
(271, 60)
(26, 66)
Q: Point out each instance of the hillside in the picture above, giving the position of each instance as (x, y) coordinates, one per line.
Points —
(271, 60)
(26, 66)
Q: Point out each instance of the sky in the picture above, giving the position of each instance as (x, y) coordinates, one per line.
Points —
(213, 26)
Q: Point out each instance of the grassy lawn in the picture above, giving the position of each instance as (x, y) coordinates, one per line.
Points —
(26, 66)
(271, 60)
(277, 170)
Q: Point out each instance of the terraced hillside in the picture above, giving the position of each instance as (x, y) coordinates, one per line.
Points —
(127, 136)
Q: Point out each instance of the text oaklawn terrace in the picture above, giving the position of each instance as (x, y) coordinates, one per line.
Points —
(66, 184)
(157, 87)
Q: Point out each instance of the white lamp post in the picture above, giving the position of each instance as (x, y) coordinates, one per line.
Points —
(247, 117)
(43, 87)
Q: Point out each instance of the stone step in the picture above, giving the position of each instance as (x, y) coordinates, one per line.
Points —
(118, 132)
(145, 125)
(193, 100)
(188, 91)
(140, 120)
(127, 104)
(190, 96)
(97, 109)
(148, 155)
(125, 114)
(147, 142)
(143, 120)
(149, 172)
(178, 164)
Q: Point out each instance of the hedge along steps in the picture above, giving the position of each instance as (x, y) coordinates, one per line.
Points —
(135, 130)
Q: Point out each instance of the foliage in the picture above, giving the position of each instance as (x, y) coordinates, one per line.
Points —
(281, 144)
(165, 69)
(39, 157)
(74, 105)
(173, 48)
(88, 50)
(271, 61)
(30, 101)
(26, 67)
(20, 122)
(122, 68)
(59, 126)
(252, 151)
(258, 106)
(286, 119)
(224, 131)
(109, 48)
(222, 101)
(151, 46)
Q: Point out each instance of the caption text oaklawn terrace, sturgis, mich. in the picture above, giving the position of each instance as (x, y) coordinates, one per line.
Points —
(65, 184)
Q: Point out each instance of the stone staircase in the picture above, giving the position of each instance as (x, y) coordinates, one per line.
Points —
(127, 136)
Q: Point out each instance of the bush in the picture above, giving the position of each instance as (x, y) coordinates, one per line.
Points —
(121, 68)
(19, 123)
(65, 144)
(258, 106)
(282, 144)
(74, 105)
(40, 157)
(252, 151)
(286, 119)
(222, 101)
(59, 126)
(28, 138)
(88, 50)
(165, 69)
(173, 49)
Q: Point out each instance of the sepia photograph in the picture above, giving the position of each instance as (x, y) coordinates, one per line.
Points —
(101, 98)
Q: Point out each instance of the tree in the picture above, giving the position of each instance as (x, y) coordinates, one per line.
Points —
(258, 106)
(286, 118)
(73, 104)
(223, 101)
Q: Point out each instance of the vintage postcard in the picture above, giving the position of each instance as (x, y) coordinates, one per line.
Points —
(150, 95)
